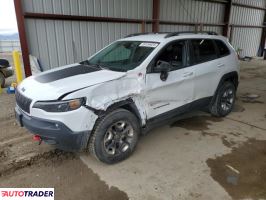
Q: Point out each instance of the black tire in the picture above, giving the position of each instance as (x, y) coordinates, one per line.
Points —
(110, 145)
(222, 104)
(2, 80)
(4, 62)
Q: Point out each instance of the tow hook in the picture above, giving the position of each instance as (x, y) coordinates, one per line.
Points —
(37, 138)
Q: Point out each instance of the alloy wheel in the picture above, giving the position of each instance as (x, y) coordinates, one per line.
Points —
(118, 138)
(227, 99)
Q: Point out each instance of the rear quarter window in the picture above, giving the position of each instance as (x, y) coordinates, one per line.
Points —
(222, 48)
(203, 50)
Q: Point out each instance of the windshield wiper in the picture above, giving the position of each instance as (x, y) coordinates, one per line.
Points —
(101, 66)
(87, 63)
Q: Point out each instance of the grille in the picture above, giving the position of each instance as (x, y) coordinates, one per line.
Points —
(23, 102)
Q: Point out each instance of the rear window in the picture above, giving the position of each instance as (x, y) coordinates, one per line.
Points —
(203, 50)
(222, 48)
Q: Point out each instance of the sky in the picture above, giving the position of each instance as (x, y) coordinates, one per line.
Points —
(8, 22)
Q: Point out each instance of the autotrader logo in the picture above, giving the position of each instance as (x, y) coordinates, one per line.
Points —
(27, 193)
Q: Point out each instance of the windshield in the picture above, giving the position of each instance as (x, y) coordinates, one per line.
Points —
(123, 55)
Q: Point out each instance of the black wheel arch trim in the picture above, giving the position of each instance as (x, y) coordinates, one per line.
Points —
(127, 104)
(225, 77)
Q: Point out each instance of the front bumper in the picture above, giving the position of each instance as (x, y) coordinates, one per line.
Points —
(53, 132)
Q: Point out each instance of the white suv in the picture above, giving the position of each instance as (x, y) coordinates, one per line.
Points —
(106, 102)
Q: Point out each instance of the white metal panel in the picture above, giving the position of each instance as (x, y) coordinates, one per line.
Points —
(216, 29)
(58, 42)
(191, 11)
(247, 16)
(173, 28)
(139, 9)
(31, 32)
(247, 39)
(259, 3)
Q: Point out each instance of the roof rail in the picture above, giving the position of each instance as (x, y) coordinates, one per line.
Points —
(189, 32)
(136, 34)
(146, 33)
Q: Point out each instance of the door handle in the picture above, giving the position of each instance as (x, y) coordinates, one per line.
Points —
(188, 74)
(220, 65)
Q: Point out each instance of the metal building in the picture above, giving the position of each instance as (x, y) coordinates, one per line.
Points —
(60, 32)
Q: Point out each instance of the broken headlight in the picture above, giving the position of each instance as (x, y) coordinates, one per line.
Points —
(60, 106)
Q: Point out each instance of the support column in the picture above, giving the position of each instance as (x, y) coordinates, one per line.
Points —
(143, 23)
(227, 15)
(263, 38)
(22, 37)
(155, 15)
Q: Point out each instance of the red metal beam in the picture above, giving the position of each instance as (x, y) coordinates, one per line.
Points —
(155, 15)
(248, 6)
(143, 26)
(22, 37)
(111, 19)
(81, 18)
(155, 22)
(214, 1)
(188, 23)
(246, 26)
(227, 15)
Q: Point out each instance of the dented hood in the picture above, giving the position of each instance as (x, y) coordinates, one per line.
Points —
(53, 84)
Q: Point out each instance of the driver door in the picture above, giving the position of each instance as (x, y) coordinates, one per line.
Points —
(174, 93)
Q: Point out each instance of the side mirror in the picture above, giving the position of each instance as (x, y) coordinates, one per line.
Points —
(163, 68)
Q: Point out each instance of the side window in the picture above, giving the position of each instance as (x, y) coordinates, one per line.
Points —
(203, 50)
(222, 48)
(174, 54)
(119, 54)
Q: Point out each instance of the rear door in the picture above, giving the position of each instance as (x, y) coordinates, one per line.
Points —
(206, 65)
(226, 60)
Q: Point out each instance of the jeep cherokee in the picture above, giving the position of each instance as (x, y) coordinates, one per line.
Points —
(104, 103)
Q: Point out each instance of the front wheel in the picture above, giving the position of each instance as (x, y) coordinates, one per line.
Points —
(224, 100)
(115, 136)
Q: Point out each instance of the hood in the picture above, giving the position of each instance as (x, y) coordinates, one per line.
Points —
(52, 84)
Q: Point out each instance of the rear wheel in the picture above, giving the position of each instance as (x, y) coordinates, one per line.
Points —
(2, 80)
(115, 136)
(224, 100)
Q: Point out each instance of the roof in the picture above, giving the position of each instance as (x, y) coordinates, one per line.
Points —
(161, 37)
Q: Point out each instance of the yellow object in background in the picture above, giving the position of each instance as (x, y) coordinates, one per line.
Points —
(17, 65)
(14, 85)
(1, 90)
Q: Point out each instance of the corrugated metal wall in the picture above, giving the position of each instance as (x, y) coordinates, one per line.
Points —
(247, 39)
(191, 11)
(57, 42)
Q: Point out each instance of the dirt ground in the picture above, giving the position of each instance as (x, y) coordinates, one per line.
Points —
(67, 174)
(198, 157)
